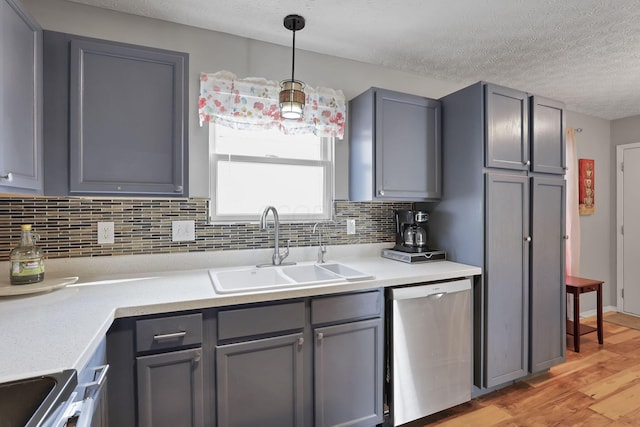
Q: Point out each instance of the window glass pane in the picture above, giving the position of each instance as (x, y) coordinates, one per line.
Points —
(267, 143)
(247, 188)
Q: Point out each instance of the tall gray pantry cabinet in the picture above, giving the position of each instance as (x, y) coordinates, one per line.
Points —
(503, 208)
(21, 101)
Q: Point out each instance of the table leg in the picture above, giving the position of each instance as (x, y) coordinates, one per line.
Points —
(576, 322)
(599, 314)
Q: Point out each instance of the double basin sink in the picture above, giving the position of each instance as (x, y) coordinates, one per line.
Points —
(252, 279)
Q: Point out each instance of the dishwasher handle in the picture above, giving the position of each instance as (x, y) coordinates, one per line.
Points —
(430, 290)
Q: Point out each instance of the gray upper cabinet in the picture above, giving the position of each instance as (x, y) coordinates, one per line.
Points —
(394, 143)
(21, 104)
(547, 136)
(507, 127)
(116, 118)
(548, 341)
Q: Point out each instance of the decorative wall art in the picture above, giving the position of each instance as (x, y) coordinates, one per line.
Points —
(586, 186)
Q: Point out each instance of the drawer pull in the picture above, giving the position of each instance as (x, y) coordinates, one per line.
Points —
(197, 357)
(8, 177)
(300, 341)
(171, 336)
(320, 336)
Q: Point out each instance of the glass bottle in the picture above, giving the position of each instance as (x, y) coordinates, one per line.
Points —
(27, 265)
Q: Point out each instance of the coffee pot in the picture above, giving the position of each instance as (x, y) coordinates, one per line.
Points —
(412, 231)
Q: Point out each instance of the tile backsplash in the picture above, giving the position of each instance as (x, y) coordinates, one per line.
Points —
(67, 227)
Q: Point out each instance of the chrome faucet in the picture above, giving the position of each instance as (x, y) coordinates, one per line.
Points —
(322, 249)
(277, 257)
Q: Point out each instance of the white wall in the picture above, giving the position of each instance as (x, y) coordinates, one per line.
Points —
(211, 51)
(597, 245)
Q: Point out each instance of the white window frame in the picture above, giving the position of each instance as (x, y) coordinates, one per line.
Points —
(327, 163)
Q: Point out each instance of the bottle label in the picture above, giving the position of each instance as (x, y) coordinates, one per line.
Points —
(27, 267)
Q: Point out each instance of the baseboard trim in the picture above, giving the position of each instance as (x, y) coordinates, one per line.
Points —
(590, 313)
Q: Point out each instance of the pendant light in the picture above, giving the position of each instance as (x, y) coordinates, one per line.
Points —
(292, 97)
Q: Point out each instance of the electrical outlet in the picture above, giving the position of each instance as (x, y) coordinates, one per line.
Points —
(105, 233)
(351, 226)
(183, 231)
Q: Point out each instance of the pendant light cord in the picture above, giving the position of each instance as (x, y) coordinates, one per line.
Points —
(293, 62)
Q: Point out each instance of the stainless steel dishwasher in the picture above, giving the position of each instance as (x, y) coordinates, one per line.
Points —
(429, 349)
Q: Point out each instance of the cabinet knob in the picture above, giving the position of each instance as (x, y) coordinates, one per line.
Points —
(8, 177)
(300, 341)
(178, 189)
(527, 163)
(527, 239)
(320, 336)
(381, 192)
(565, 237)
(197, 358)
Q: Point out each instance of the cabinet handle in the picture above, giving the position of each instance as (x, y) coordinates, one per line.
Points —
(300, 341)
(171, 336)
(197, 357)
(381, 192)
(178, 189)
(8, 177)
(320, 336)
(527, 239)
(527, 163)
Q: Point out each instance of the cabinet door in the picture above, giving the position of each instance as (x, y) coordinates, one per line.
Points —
(547, 136)
(506, 278)
(348, 368)
(507, 128)
(127, 120)
(407, 147)
(547, 273)
(170, 389)
(260, 382)
(21, 101)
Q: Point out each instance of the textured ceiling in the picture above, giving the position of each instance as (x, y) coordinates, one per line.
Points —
(583, 52)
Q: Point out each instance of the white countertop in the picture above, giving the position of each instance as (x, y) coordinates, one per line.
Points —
(46, 333)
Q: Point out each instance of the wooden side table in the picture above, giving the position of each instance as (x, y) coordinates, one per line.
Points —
(575, 287)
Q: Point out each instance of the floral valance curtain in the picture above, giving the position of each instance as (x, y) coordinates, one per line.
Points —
(252, 103)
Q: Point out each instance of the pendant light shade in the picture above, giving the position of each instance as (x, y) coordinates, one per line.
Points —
(292, 97)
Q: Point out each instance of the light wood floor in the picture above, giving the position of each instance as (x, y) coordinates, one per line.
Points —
(600, 386)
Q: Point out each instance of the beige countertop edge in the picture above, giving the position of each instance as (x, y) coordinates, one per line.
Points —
(60, 330)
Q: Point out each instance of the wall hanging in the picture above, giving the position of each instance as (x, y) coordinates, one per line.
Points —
(586, 186)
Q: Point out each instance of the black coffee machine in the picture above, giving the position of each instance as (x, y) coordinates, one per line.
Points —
(412, 231)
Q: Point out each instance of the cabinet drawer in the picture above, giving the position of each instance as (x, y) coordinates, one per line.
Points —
(245, 322)
(168, 332)
(346, 307)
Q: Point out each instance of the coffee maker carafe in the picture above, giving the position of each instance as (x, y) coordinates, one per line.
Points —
(412, 231)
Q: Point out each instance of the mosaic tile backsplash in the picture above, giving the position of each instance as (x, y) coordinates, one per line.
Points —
(68, 226)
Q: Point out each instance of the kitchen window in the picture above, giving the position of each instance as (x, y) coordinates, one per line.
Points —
(252, 169)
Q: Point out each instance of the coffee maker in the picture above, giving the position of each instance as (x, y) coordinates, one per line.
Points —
(412, 231)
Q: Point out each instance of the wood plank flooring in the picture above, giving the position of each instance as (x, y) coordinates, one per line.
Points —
(600, 386)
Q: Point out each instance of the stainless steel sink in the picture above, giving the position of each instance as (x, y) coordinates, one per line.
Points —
(248, 279)
(30, 401)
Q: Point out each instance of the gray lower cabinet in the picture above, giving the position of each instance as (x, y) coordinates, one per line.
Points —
(506, 311)
(170, 389)
(21, 101)
(394, 147)
(260, 382)
(347, 368)
(115, 118)
(548, 307)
